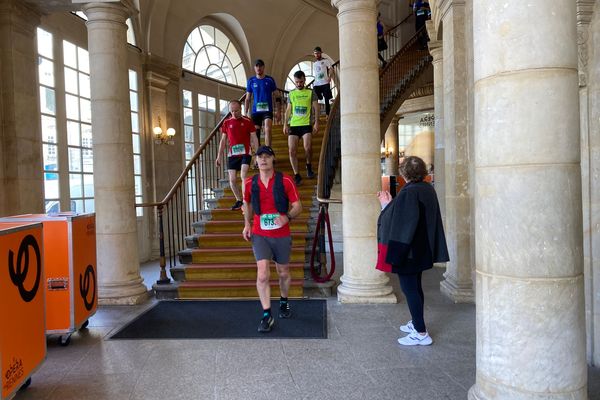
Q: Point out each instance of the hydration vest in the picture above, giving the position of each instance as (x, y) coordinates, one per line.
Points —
(282, 203)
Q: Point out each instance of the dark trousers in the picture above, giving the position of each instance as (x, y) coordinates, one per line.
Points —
(412, 289)
(420, 23)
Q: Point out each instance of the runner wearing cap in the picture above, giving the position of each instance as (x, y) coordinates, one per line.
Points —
(271, 201)
(261, 87)
(240, 133)
(323, 71)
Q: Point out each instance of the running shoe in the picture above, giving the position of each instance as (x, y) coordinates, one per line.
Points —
(266, 323)
(297, 179)
(284, 310)
(237, 205)
(310, 174)
(416, 339)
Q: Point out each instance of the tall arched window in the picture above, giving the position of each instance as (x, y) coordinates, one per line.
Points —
(209, 52)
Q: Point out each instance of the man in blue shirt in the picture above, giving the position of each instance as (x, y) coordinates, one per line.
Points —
(261, 87)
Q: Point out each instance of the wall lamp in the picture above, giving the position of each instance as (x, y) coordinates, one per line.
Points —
(161, 137)
(386, 152)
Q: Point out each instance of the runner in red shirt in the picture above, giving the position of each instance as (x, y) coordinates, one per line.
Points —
(270, 201)
(239, 132)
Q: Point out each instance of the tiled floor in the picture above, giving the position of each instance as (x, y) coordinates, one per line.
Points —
(359, 360)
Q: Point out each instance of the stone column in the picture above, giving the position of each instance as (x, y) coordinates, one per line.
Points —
(360, 148)
(589, 96)
(391, 143)
(435, 49)
(119, 280)
(20, 147)
(530, 318)
(458, 285)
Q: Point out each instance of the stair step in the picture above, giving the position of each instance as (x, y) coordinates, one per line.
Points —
(237, 289)
(237, 272)
(211, 240)
(297, 225)
(225, 214)
(231, 255)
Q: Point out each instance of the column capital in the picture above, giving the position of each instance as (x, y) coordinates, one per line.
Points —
(108, 10)
(348, 5)
(585, 11)
(436, 50)
(445, 5)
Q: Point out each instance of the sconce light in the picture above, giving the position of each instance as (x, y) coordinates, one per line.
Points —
(161, 137)
(386, 152)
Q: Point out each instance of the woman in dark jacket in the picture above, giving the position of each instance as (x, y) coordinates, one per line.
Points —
(410, 238)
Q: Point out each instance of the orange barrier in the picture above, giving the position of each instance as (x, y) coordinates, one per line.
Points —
(70, 270)
(22, 331)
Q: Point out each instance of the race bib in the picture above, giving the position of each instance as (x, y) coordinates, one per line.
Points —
(262, 106)
(238, 149)
(321, 75)
(267, 222)
(300, 111)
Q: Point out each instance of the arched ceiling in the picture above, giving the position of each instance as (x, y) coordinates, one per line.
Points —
(279, 32)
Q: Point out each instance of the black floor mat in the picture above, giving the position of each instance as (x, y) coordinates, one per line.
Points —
(226, 319)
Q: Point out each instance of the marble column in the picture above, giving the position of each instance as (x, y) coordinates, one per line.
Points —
(20, 147)
(589, 94)
(436, 51)
(360, 148)
(458, 283)
(391, 143)
(119, 280)
(530, 295)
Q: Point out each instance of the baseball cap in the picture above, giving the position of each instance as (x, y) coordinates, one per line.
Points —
(259, 62)
(317, 49)
(265, 149)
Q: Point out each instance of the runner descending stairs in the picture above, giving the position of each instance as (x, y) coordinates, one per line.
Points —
(219, 263)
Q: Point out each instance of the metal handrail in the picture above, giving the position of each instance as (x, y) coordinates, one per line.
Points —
(189, 195)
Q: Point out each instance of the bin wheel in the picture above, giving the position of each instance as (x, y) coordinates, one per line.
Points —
(85, 324)
(64, 340)
(25, 384)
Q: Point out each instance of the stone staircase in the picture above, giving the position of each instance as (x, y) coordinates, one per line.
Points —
(219, 263)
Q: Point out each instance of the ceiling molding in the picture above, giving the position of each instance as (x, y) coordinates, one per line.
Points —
(323, 6)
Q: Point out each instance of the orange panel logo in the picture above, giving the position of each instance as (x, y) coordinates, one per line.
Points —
(18, 273)
(85, 281)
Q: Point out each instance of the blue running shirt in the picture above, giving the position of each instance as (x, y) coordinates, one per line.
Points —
(262, 92)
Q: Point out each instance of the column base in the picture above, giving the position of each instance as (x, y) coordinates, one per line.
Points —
(457, 293)
(127, 294)
(353, 292)
(507, 393)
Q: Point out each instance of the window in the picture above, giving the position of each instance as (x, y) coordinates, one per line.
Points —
(135, 136)
(79, 127)
(207, 115)
(48, 120)
(208, 51)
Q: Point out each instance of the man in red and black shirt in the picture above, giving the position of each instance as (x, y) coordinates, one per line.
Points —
(271, 201)
(240, 133)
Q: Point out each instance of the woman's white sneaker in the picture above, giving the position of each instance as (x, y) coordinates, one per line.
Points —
(408, 328)
(416, 339)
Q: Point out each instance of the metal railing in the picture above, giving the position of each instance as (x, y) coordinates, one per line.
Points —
(191, 193)
(393, 38)
(400, 76)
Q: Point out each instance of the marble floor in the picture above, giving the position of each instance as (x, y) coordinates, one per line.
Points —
(359, 360)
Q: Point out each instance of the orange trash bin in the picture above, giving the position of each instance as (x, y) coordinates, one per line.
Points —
(70, 270)
(22, 322)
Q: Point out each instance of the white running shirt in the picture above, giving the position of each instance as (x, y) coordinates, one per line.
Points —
(320, 71)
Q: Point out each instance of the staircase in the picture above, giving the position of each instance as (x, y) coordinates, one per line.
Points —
(200, 237)
(218, 263)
